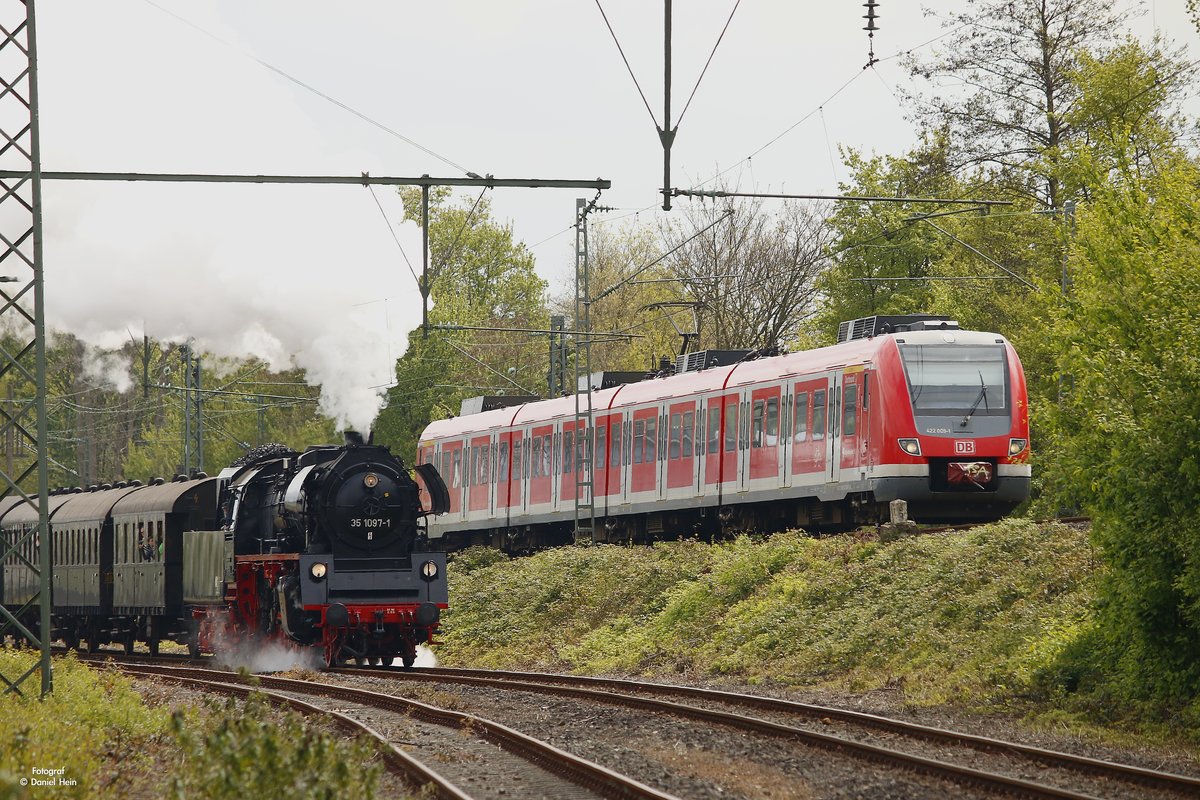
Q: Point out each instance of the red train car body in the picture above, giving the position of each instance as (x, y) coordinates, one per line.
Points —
(821, 439)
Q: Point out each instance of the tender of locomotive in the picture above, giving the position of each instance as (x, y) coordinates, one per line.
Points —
(909, 408)
(315, 549)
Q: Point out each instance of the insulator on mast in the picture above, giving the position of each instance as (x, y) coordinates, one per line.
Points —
(870, 28)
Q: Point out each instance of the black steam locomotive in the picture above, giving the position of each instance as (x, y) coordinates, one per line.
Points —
(321, 549)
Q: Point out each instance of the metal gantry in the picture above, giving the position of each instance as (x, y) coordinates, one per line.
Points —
(23, 346)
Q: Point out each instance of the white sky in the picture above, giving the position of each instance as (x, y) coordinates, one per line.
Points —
(518, 89)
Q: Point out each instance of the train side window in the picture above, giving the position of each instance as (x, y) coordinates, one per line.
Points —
(516, 457)
(818, 417)
(601, 445)
(502, 472)
(457, 476)
(581, 449)
(676, 432)
(614, 459)
(800, 426)
(627, 458)
(850, 411)
(756, 424)
(528, 448)
(772, 433)
(486, 464)
(689, 425)
(714, 430)
(651, 440)
(731, 427)
(568, 446)
(835, 406)
(537, 457)
(865, 393)
(547, 455)
(639, 439)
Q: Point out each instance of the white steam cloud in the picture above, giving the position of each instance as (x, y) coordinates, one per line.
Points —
(294, 274)
(107, 370)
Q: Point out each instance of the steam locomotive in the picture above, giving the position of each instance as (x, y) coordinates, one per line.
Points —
(320, 549)
(902, 408)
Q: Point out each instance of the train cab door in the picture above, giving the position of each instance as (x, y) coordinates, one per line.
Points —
(541, 466)
(833, 438)
(452, 474)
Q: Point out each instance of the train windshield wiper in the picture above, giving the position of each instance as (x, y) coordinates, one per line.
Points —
(982, 398)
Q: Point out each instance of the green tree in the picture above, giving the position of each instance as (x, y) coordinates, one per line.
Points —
(481, 279)
(1127, 426)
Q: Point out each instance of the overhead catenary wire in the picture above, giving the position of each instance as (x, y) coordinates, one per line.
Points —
(706, 63)
(621, 50)
(309, 88)
(395, 238)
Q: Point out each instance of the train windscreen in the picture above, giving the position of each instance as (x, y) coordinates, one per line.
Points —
(965, 379)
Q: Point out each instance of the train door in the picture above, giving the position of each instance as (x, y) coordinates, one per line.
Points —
(643, 473)
(479, 477)
(764, 435)
(503, 476)
(572, 457)
(743, 440)
(451, 469)
(541, 466)
(721, 447)
(854, 427)
(681, 449)
(608, 457)
(626, 455)
(833, 459)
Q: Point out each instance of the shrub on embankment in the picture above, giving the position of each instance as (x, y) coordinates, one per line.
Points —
(972, 617)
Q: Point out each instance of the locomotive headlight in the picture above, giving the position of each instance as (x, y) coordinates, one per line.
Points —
(371, 481)
(429, 570)
(1016, 445)
(910, 446)
(318, 570)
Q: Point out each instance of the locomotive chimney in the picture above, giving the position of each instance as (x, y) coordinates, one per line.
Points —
(353, 438)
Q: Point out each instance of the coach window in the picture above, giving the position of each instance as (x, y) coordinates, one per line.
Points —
(581, 449)
(772, 421)
(676, 426)
(800, 428)
(818, 419)
(835, 405)
(714, 430)
(489, 455)
(568, 445)
(547, 455)
(537, 457)
(639, 439)
(689, 425)
(614, 459)
(502, 472)
(756, 424)
(601, 445)
(651, 441)
(850, 412)
(731, 427)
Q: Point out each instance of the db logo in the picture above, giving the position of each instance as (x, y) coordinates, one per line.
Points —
(964, 448)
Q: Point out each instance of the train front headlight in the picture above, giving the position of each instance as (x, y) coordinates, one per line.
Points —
(318, 570)
(910, 446)
(1016, 445)
(429, 570)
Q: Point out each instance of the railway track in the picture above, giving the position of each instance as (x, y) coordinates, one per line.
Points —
(586, 778)
(1108, 776)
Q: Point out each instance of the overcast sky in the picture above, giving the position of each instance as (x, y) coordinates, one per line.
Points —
(518, 89)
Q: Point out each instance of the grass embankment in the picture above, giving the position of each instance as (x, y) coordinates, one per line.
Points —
(969, 618)
(95, 736)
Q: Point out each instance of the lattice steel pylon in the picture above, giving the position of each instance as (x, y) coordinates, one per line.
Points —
(25, 580)
(585, 504)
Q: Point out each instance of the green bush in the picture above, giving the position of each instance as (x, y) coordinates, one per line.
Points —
(251, 751)
(90, 714)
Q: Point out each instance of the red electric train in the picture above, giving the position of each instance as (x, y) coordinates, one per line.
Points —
(909, 408)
